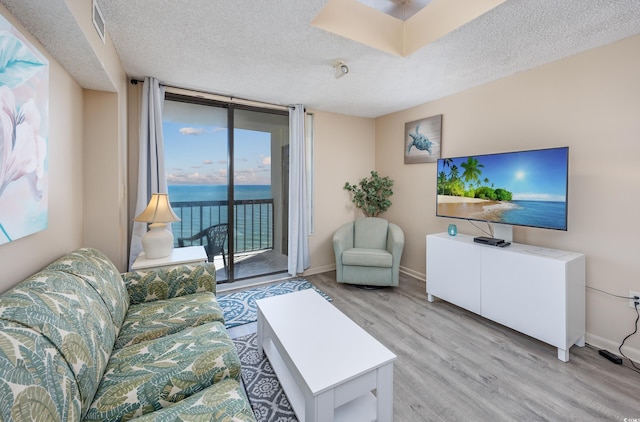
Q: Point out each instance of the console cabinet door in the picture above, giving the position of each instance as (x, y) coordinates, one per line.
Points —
(525, 292)
(452, 271)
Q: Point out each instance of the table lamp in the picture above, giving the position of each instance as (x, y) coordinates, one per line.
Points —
(158, 241)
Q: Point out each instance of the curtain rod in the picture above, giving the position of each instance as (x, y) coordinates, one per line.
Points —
(231, 98)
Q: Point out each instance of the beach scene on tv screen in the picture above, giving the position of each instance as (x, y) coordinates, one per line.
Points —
(520, 188)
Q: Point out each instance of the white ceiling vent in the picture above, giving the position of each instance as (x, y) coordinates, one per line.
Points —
(98, 20)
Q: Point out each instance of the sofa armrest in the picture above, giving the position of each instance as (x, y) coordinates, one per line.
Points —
(167, 282)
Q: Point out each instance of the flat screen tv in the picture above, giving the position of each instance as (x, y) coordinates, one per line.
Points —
(523, 188)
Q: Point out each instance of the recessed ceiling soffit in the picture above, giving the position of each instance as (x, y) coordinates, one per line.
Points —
(377, 23)
(399, 9)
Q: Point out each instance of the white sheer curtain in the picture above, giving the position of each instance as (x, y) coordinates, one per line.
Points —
(151, 173)
(298, 217)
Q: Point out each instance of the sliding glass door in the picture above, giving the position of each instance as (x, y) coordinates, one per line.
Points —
(226, 170)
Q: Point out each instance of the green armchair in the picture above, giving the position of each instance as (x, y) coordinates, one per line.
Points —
(368, 252)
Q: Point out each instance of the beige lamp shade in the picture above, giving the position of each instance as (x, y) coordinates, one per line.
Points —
(158, 211)
(158, 241)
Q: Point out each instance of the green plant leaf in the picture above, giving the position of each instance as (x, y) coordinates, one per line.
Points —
(371, 194)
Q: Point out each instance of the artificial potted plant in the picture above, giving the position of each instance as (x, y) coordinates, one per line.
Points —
(372, 194)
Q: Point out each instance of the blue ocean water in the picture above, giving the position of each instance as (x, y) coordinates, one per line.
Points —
(253, 228)
(537, 213)
(186, 193)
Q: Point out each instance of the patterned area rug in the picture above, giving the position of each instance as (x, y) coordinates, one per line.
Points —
(240, 307)
(267, 398)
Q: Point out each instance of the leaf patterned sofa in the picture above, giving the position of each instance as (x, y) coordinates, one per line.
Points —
(79, 341)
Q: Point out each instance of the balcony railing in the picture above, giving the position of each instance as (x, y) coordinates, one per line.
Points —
(253, 221)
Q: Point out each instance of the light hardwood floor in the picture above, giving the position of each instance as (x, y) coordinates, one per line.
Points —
(456, 366)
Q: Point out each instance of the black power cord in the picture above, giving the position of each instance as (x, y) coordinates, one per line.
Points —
(488, 233)
(635, 305)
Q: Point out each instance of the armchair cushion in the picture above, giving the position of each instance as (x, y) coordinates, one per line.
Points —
(367, 257)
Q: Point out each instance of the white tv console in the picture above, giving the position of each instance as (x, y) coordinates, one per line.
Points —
(536, 291)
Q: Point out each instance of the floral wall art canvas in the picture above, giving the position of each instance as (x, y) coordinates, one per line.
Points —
(423, 140)
(24, 126)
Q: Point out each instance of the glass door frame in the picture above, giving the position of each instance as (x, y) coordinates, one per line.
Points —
(231, 107)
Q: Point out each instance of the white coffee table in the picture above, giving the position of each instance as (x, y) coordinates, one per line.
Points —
(327, 365)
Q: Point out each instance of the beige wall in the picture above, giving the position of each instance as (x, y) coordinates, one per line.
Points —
(105, 225)
(105, 148)
(134, 104)
(589, 102)
(86, 162)
(27, 255)
(344, 151)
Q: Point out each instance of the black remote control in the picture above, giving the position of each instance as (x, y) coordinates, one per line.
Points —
(503, 244)
(613, 358)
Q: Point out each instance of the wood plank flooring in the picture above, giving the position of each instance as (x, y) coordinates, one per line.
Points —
(456, 366)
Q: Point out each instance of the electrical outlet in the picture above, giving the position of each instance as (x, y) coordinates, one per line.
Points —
(631, 301)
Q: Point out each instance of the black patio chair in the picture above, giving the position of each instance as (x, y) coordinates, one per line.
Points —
(216, 236)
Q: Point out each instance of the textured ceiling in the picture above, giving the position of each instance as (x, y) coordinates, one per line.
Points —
(268, 50)
(53, 24)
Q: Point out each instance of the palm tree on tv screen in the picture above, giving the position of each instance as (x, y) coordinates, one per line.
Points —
(447, 162)
(442, 180)
(454, 173)
(472, 171)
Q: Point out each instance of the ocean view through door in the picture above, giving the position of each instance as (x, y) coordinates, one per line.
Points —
(227, 186)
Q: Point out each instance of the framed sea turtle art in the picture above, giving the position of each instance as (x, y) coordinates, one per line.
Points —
(423, 140)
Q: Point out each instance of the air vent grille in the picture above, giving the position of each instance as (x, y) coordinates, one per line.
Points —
(98, 20)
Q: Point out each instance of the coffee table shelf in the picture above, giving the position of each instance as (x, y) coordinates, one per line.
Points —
(362, 408)
(327, 365)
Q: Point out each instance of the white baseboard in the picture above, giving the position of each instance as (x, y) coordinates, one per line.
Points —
(603, 343)
(318, 270)
(414, 274)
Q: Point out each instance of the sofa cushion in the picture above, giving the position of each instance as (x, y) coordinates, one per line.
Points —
(367, 257)
(36, 382)
(154, 374)
(98, 271)
(72, 316)
(224, 401)
(149, 320)
(370, 232)
(148, 285)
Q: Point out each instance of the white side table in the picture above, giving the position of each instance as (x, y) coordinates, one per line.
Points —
(186, 255)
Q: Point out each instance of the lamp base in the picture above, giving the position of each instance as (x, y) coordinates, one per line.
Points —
(158, 241)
